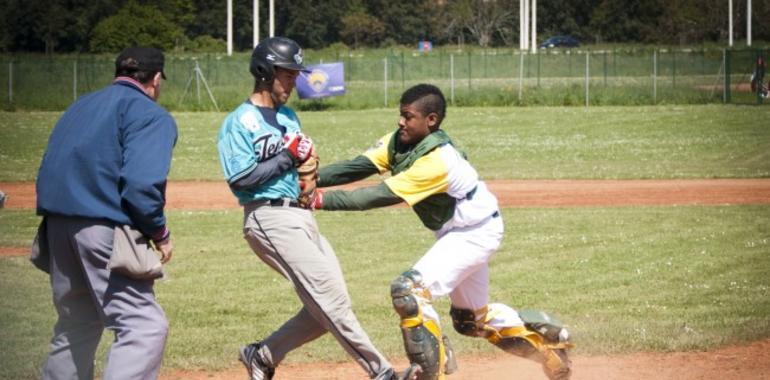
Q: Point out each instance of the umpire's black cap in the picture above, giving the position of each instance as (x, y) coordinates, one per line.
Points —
(139, 58)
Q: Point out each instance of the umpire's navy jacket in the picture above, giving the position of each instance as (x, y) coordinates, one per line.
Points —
(108, 158)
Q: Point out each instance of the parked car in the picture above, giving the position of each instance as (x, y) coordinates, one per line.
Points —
(560, 41)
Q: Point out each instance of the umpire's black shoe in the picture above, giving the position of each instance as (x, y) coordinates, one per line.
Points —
(252, 358)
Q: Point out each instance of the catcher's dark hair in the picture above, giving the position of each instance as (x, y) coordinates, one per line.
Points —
(428, 99)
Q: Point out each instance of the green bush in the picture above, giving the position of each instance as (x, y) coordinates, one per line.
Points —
(135, 24)
(208, 44)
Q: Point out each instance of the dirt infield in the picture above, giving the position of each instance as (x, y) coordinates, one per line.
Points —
(750, 361)
(511, 193)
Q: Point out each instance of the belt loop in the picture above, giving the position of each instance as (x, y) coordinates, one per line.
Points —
(469, 195)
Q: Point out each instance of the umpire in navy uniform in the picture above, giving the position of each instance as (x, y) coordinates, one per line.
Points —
(106, 164)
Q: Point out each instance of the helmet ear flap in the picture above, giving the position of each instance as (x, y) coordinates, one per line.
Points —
(261, 70)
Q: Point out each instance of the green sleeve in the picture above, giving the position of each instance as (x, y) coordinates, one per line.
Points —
(342, 172)
(360, 199)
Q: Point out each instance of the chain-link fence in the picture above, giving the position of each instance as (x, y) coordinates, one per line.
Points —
(501, 77)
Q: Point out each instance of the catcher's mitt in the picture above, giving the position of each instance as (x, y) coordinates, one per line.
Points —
(308, 177)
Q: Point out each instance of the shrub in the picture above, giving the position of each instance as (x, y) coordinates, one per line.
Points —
(135, 24)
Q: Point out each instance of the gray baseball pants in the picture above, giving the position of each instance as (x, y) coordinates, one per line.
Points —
(89, 298)
(287, 239)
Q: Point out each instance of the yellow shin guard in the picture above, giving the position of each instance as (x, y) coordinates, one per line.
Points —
(424, 346)
(529, 344)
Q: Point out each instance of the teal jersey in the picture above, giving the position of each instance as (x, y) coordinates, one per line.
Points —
(246, 139)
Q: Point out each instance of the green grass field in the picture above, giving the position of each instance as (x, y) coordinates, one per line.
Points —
(625, 279)
(710, 141)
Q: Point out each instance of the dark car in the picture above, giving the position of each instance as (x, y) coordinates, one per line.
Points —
(560, 41)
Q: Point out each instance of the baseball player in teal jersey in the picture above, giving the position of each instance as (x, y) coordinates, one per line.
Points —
(436, 180)
(260, 146)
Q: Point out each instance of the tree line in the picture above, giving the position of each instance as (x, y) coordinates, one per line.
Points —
(59, 26)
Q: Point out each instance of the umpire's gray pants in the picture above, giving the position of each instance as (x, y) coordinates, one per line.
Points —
(89, 298)
(287, 239)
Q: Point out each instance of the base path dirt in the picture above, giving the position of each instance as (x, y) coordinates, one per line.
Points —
(190, 195)
(751, 361)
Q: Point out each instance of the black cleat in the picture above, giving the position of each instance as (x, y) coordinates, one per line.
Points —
(254, 362)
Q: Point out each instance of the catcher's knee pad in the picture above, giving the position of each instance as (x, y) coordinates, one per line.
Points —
(467, 322)
(542, 338)
(402, 290)
(422, 338)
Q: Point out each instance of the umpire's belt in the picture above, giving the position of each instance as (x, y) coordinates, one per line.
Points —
(281, 202)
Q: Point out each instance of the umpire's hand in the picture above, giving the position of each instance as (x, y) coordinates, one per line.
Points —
(165, 248)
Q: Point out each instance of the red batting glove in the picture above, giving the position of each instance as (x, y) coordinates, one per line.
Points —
(298, 145)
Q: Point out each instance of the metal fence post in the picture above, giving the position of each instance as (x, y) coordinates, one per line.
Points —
(528, 65)
(655, 76)
(758, 55)
(385, 65)
(452, 78)
(349, 69)
(403, 69)
(605, 67)
(537, 54)
(469, 70)
(521, 72)
(588, 74)
(726, 58)
(10, 82)
(673, 69)
(484, 58)
(196, 70)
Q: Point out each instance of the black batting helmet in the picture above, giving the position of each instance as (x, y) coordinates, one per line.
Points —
(275, 51)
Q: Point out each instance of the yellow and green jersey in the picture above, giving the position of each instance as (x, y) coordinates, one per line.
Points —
(432, 177)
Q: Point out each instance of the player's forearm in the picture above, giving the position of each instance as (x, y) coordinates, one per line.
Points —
(360, 199)
(265, 171)
(342, 172)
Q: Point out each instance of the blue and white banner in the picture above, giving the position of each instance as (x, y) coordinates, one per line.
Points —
(326, 79)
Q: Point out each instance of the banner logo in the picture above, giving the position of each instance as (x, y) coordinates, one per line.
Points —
(324, 80)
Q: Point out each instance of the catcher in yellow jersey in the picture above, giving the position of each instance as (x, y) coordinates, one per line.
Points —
(436, 180)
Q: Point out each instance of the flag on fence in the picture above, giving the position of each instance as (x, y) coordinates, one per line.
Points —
(326, 79)
(425, 46)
